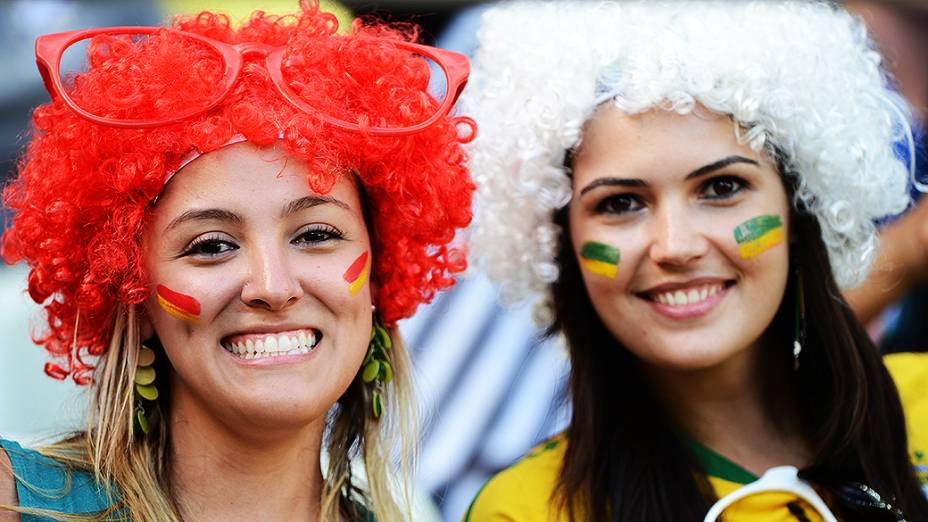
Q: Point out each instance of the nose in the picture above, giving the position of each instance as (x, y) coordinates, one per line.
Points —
(271, 283)
(677, 239)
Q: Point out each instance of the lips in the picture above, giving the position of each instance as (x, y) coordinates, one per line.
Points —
(689, 299)
(272, 344)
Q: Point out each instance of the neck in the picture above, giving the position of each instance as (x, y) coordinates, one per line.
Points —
(726, 409)
(219, 473)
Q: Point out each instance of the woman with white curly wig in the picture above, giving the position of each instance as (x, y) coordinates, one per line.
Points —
(684, 188)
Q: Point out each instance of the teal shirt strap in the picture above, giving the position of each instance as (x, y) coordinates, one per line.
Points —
(44, 483)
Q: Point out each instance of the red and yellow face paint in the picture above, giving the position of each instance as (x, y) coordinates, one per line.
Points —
(358, 272)
(181, 306)
(757, 235)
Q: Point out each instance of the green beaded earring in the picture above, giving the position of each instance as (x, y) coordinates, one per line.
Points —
(145, 392)
(376, 370)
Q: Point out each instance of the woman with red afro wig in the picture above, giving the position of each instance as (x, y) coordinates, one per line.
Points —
(223, 226)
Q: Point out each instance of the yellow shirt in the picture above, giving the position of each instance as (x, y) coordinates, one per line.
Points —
(521, 493)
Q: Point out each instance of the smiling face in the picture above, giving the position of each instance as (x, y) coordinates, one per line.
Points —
(679, 232)
(258, 298)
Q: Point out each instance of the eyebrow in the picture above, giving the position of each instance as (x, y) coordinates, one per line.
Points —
(701, 171)
(206, 214)
(220, 214)
(310, 202)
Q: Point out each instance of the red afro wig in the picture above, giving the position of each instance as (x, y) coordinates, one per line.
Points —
(83, 190)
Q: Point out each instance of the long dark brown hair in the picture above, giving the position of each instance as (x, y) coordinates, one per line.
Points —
(627, 461)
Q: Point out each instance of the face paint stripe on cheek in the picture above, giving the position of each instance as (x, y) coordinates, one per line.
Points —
(183, 307)
(600, 259)
(758, 235)
(357, 273)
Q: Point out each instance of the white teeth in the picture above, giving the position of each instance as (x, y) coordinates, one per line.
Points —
(683, 298)
(692, 296)
(273, 345)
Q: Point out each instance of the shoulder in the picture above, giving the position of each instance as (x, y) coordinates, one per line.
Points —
(522, 492)
(41, 482)
(8, 495)
(910, 373)
(909, 369)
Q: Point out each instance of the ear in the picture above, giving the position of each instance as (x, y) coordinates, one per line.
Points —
(375, 290)
(146, 327)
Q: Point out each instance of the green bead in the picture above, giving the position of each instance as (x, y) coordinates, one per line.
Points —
(146, 356)
(370, 371)
(386, 372)
(378, 404)
(145, 375)
(141, 422)
(384, 338)
(149, 393)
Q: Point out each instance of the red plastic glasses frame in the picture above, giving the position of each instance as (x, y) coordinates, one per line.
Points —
(50, 47)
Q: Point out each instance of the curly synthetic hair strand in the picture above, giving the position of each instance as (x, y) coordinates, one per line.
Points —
(797, 77)
(81, 196)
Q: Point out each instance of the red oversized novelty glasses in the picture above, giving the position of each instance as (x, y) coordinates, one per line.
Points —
(153, 76)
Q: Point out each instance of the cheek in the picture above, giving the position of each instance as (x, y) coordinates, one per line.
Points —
(599, 258)
(758, 235)
(342, 285)
(179, 305)
(358, 273)
(606, 262)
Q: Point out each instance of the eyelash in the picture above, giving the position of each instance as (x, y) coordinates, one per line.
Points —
(197, 246)
(609, 204)
(739, 185)
(311, 236)
(327, 232)
(627, 202)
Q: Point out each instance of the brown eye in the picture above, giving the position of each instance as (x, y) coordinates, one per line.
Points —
(318, 234)
(722, 188)
(209, 246)
(619, 204)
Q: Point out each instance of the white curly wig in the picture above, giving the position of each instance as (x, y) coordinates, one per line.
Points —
(799, 78)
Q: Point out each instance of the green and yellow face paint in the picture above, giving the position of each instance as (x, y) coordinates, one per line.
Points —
(181, 306)
(600, 259)
(757, 235)
(357, 273)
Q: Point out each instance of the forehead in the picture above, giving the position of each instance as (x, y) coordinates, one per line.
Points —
(656, 143)
(243, 176)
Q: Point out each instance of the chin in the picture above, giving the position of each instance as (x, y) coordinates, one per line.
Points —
(292, 413)
(693, 358)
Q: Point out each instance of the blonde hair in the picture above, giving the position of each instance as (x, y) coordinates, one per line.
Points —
(133, 469)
